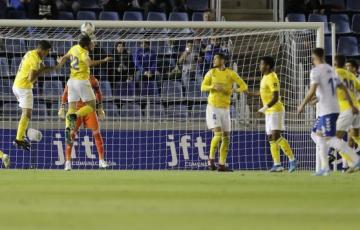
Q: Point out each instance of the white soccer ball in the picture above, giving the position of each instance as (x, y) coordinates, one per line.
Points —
(34, 135)
(87, 28)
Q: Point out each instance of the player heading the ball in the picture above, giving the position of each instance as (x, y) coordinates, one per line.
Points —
(79, 87)
(219, 82)
(30, 68)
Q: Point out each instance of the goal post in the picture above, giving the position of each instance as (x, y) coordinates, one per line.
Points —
(155, 110)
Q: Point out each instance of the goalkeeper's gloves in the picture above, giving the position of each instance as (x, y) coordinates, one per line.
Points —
(100, 112)
(263, 109)
(62, 112)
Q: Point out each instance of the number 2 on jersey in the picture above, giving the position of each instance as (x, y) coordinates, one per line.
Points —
(74, 62)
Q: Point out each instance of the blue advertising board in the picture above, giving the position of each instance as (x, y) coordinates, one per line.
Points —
(155, 149)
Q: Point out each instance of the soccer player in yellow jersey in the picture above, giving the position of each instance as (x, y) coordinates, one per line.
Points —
(30, 68)
(5, 159)
(347, 119)
(219, 81)
(274, 111)
(79, 87)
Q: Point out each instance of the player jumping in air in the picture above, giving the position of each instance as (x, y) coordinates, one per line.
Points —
(274, 111)
(79, 87)
(324, 83)
(30, 68)
(219, 82)
(90, 121)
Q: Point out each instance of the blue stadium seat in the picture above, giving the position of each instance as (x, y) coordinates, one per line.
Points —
(197, 5)
(295, 18)
(198, 111)
(171, 89)
(16, 14)
(11, 110)
(15, 46)
(156, 16)
(39, 111)
(193, 90)
(105, 88)
(130, 110)
(328, 47)
(178, 16)
(111, 109)
(15, 63)
(109, 15)
(342, 23)
(4, 67)
(65, 15)
(353, 5)
(336, 3)
(6, 87)
(320, 18)
(177, 111)
(132, 16)
(124, 89)
(348, 46)
(53, 88)
(86, 15)
(155, 110)
(197, 16)
(356, 23)
(16, 4)
(89, 4)
(149, 88)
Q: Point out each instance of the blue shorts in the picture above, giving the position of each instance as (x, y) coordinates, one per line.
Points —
(326, 124)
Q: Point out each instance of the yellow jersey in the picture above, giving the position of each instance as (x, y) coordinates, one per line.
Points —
(226, 78)
(353, 86)
(268, 85)
(30, 62)
(79, 69)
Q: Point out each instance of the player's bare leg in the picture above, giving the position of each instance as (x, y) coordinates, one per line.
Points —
(224, 149)
(20, 140)
(345, 150)
(217, 135)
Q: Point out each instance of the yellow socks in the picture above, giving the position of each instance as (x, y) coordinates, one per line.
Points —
(1, 154)
(214, 144)
(275, 152)
(23, 124)
(224, 150)
(346, 157)
(70, 111)
(285, 147)
(83, 111)
(357, 140)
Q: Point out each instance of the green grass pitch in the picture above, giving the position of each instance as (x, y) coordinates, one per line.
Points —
(177, 200)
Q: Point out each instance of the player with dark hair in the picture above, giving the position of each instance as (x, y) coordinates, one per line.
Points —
(274, 111)
(31, 67)
(352, 66)
(219, 81)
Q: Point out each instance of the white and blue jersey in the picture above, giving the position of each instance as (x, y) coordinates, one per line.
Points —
(328, 110)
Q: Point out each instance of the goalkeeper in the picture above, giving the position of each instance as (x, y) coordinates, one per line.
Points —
(90, 121)
(219, 82)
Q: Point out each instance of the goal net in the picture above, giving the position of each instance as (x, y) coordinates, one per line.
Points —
(155, 112)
